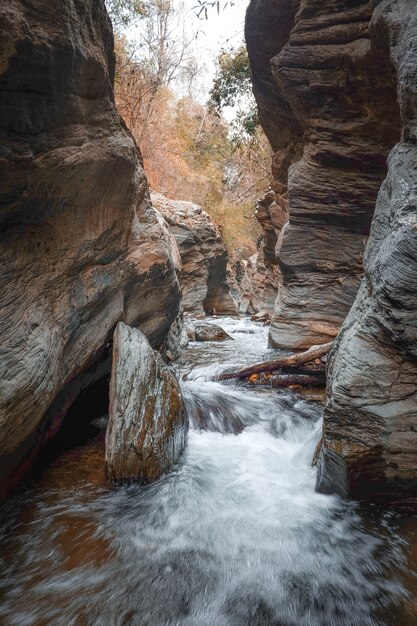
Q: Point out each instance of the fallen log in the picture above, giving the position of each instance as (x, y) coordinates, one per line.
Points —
(314, 369)
(294, 360)
(287, 380)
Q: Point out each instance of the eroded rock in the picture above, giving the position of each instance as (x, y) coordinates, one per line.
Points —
(203, 255)
(81, 246)
(147, 422)
(327, 102)
(255, 281)
(369, 447)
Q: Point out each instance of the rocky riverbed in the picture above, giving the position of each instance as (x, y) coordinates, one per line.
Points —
(234, 535)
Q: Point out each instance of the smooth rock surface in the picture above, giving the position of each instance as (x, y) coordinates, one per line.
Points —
(203, 254)
(201, 331)
(147, 422)
(81, 246)
(327, 101)
(369, 447)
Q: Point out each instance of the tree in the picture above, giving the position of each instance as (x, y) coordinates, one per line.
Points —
(162, 53)
(124, 12)
(232, 87)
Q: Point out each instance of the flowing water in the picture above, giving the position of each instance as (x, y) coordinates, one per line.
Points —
(236, 535)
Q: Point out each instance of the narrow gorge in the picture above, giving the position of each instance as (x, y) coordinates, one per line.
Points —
(208, 410)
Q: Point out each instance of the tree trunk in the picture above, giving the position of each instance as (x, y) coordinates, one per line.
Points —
(287, 380)
(293, 361)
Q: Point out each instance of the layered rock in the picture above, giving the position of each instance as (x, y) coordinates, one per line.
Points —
(369, 447)
(204, 256)
(254, 281)
(254, 285)
(81, 245)
(147, 425)
(331, 116)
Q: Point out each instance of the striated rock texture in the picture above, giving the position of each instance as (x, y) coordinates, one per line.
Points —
(369, 447)
(203, 255)
(148, 425)
(327, 101)
(81, 246)
(254, 282)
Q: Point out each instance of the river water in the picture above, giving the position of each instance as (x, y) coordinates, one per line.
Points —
(235, 536)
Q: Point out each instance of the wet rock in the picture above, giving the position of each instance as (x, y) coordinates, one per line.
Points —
(262, 316)
(369, 447)
(326, 94)
(81, 246)
(176, 341)
(204, 257)
(147, 422)
(207, 332)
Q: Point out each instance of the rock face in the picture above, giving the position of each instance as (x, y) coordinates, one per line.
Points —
(203, 255)
(147, 422)
(369, 447)
(81, 245)
(256, 280)
(331, 116)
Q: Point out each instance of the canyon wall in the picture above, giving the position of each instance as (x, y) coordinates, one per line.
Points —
(369, 446)
(336, 85)
(81, 246)
(203, 255)
(331, 116)
(255, 281)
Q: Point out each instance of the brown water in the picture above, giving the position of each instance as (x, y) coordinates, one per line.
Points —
(235, 535)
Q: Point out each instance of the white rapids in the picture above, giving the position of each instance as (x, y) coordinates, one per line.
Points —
(236, 535)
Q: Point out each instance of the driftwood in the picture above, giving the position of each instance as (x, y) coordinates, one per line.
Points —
(292, 361)
(310, 369)
(288, 380)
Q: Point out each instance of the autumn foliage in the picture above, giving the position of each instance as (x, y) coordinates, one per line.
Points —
(190, 153)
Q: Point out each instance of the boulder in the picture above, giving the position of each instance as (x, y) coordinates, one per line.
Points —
(207, 332)
(147, 425)
(81, 245)
(203, 254)
(369, 447)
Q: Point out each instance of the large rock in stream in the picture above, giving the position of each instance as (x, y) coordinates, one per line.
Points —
(202, 331)
(148, 425)
(204, 256)
(81, 246)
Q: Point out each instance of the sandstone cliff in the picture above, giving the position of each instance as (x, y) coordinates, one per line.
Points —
(81, 246)
(327, 102)
(203, 256)
(370, 429)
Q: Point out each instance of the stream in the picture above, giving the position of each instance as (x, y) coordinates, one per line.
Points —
(235, 535)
